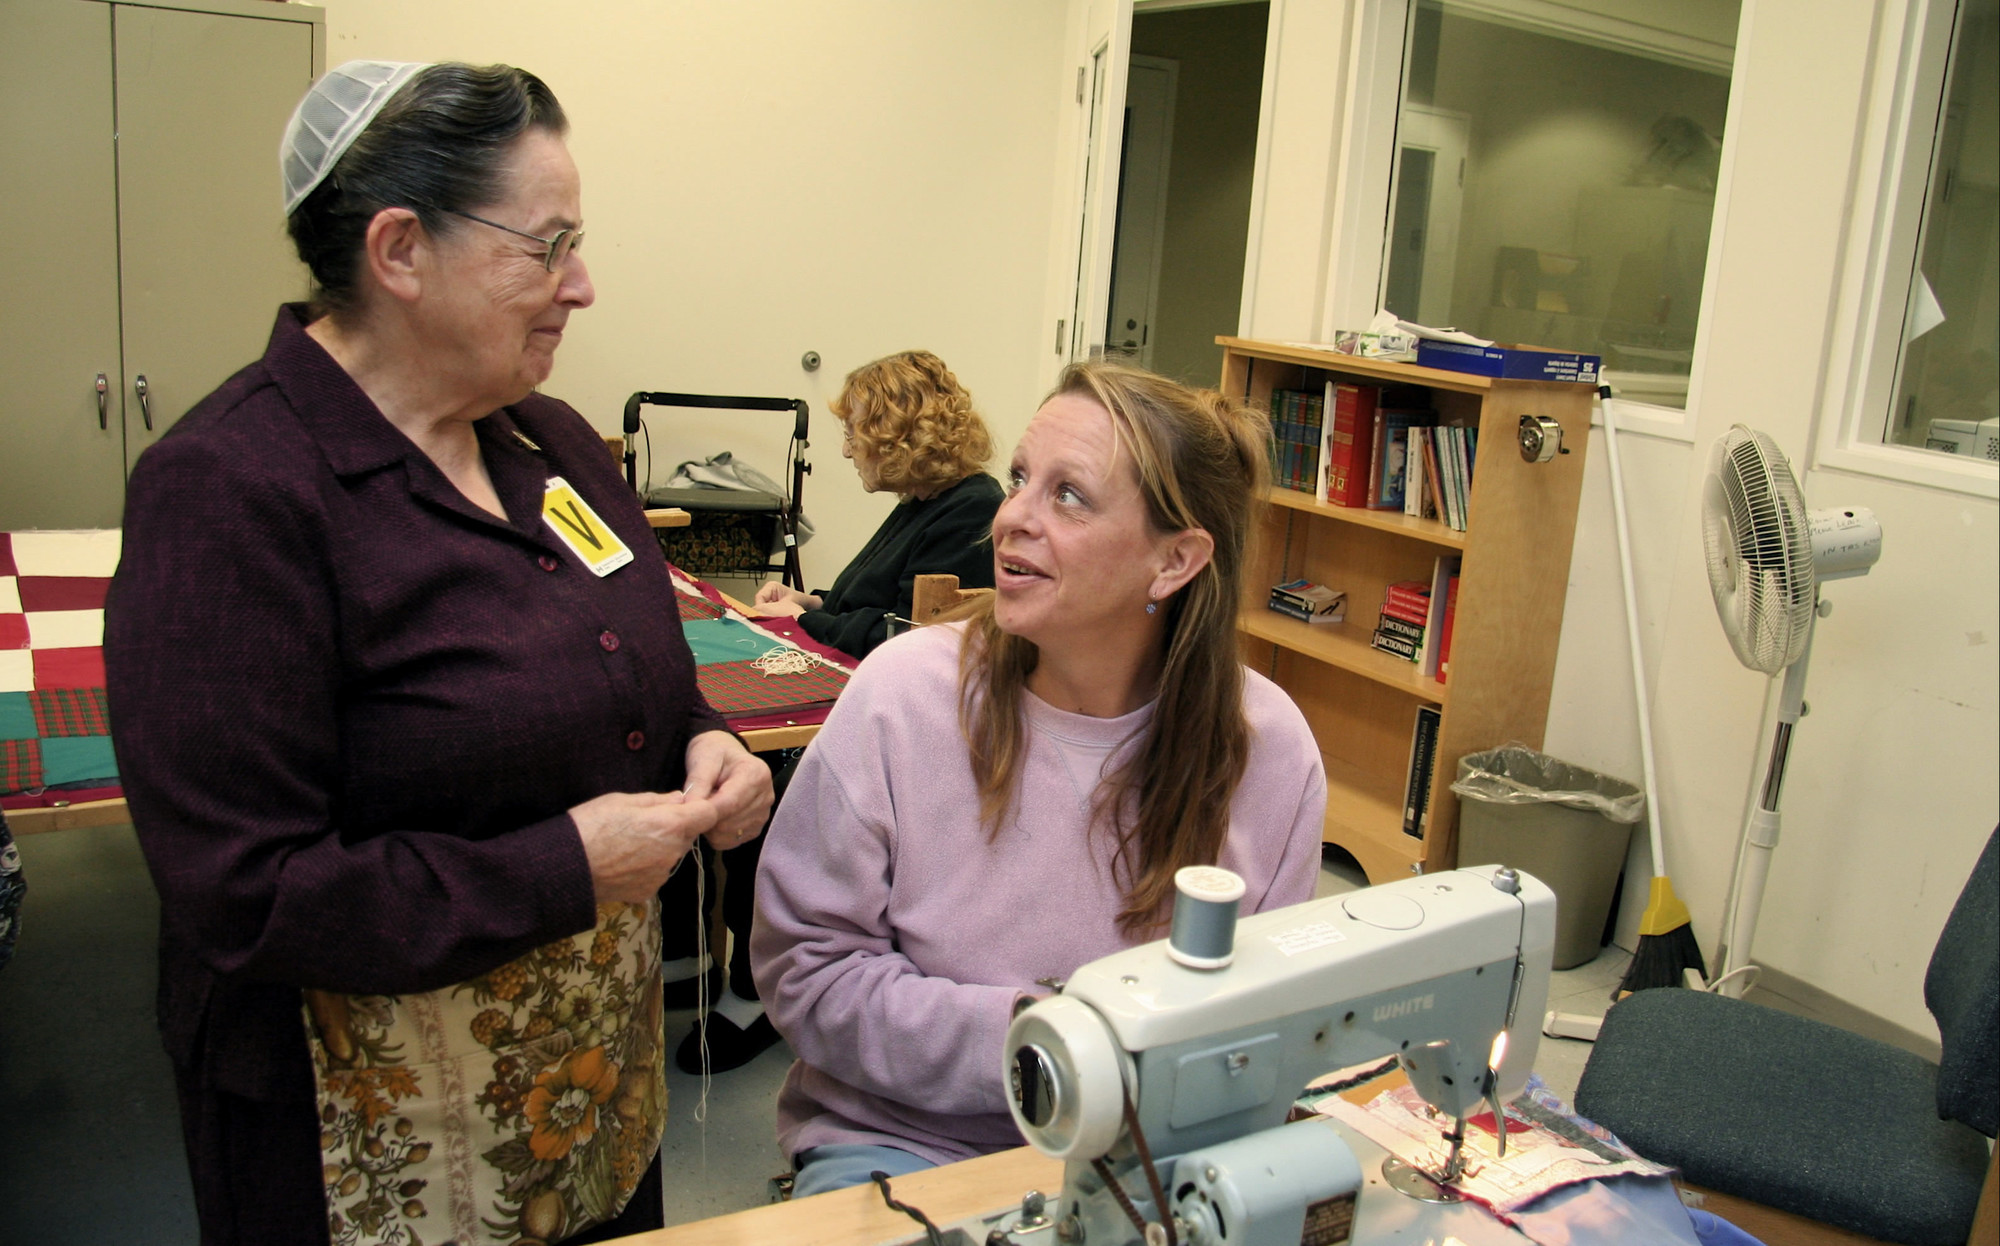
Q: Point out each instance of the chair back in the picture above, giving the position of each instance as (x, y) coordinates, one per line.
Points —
(1962, 990)
(935, 597)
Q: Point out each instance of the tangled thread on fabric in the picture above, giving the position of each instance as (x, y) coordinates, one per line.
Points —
(786, 661)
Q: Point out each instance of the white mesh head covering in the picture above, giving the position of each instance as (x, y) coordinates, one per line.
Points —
(331, 116)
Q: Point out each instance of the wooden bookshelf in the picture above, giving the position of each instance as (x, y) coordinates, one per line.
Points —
(1513, 577)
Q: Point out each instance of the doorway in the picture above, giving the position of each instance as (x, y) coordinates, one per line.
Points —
(1422, 260)
(1194, 92)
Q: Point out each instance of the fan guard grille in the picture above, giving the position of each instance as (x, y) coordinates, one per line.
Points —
(1759, 548)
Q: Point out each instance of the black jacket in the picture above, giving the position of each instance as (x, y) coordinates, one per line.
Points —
(949, 534)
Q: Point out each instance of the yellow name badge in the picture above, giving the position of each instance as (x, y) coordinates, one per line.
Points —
(587, 536)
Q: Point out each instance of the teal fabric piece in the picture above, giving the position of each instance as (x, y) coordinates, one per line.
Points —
(17, 719)
(72, 759)
(725, 640)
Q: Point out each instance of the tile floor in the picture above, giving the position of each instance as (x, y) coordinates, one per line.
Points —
(89, 1132)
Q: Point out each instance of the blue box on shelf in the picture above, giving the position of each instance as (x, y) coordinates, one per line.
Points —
(1519, 363)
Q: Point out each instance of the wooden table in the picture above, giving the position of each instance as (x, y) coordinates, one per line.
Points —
(858, 1217)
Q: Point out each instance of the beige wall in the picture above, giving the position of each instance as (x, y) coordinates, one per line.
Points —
(763, 179)
(1892, 787)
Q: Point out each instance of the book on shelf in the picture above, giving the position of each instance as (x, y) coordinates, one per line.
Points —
(1456, 447)
(1350, 439)
(1444, 579)
(1415, 498)
(1393, 626)
(1408, 599)
(1295, 439)
(1389, 456)
(1423, 766)
(1433, 480)
(1401, 646)
(1444, 640)
(1296, 417)
(1305, 600)
(1322, 449)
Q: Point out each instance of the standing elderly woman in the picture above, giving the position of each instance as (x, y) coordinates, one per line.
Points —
(411, 739)
(994, 803)
(910, 429)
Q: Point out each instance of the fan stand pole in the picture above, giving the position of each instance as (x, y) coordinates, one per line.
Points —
(1735, 973)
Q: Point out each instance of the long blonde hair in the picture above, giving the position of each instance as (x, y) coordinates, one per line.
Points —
(1201, 463)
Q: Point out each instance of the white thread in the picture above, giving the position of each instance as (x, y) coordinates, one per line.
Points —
(701, 997)
(787, 661)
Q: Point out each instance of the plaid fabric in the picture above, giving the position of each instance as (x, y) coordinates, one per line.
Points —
(735, 688)
(20, 765)
(695, 607)
(70, 712)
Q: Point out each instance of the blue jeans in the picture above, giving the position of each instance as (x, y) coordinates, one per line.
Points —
(836, 1167)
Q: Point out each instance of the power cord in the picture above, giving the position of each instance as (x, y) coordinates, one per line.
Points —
(931, 1234)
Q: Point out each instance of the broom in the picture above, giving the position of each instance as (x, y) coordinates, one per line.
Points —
(1667, 948)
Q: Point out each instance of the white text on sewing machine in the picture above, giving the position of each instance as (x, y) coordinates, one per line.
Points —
(1389, 1012)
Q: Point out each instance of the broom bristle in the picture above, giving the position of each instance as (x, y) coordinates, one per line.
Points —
(1661, 959)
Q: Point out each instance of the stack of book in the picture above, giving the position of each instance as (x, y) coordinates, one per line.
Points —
(1385, 450)
(1297, 443)
(1310, 602)
(1406, 613)
(1439, 473)
(1417, 618)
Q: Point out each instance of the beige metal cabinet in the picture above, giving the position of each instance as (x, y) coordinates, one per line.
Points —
(141, 206)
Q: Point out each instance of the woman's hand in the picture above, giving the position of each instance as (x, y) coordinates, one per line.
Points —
(776, 599)
(728, 776)
(633, 840)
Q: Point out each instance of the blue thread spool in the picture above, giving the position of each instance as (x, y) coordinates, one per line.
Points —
(1204, 934)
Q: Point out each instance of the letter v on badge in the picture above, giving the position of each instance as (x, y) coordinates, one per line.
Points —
(577, 526)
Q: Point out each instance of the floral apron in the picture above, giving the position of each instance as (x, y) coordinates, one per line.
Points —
(517, 1108)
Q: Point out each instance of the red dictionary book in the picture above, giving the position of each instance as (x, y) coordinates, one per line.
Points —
(1409, 594)
(1350, 443)
(1444, 642)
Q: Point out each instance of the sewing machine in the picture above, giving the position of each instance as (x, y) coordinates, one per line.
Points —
(1163, 1075)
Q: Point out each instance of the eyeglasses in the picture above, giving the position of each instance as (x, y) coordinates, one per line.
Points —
(559, 247)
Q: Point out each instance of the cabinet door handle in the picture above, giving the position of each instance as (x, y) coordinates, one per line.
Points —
(103, 401)
(145, 403)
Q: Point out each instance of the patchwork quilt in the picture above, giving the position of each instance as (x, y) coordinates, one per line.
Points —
(55, 736)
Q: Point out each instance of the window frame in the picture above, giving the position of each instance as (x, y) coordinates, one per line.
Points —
(1895, 156)
(1357, 260)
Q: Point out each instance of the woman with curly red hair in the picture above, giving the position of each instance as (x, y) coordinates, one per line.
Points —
(910, 429)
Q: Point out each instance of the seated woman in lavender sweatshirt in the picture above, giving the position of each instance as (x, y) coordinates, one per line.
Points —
(997, 801)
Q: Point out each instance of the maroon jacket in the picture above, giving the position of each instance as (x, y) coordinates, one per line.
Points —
(351, 708)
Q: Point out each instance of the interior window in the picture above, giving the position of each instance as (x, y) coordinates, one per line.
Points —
(1554, 180)
(1947, 394)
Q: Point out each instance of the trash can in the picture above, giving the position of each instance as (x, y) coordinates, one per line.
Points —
(1564, 824)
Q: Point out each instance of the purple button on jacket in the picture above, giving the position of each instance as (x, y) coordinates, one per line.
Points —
(351, 708)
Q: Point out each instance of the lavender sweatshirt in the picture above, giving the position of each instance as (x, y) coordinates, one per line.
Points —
(892, 938)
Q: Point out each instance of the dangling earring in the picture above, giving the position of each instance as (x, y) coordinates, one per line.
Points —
(1152, 607)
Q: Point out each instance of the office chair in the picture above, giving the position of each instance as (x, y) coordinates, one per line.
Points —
(1813, 1120)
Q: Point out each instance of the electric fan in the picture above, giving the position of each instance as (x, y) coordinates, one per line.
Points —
(1767, 556)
